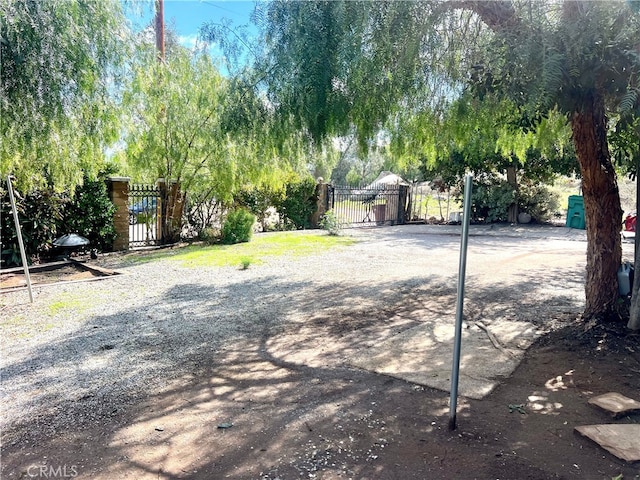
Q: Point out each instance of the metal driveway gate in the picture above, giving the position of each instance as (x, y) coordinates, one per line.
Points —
(144, 215)
(368, 206)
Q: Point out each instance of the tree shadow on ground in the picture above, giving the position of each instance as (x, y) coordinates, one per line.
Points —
(140, 397)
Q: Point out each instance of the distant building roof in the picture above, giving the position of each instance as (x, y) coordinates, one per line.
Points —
(387, 178)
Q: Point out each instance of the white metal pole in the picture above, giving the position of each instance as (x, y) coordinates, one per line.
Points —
(455, 369)
(23, 255)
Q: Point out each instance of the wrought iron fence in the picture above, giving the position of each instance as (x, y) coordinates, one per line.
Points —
(420, 196)
(368, 206)
(426, 204)
(144, 215)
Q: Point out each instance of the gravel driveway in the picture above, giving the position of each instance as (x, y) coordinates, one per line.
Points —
(84, 351)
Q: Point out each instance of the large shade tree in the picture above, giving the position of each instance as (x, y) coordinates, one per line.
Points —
(60, 66)
(194, 127)
(586, 65)
(338, 64)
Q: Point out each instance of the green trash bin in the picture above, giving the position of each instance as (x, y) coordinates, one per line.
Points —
(575, 212)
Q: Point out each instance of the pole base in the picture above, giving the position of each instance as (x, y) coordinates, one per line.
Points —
(452, 423)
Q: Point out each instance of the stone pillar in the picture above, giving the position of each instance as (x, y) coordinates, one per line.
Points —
(175, 214)
(161, 210)
(322, 192)
(163, 201)
(391, 195)
(118, 188)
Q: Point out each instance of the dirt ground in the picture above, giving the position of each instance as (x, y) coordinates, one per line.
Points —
(59, 272)
(251, 413)
(252, 416)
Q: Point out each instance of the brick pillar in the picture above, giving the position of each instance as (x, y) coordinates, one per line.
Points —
(118, 188)
(322, 191)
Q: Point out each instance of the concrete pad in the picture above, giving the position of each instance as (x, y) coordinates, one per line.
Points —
(619, 440)
(424, 354)
(615, 403)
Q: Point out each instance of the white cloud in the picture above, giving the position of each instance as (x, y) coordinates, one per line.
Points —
(188, 41)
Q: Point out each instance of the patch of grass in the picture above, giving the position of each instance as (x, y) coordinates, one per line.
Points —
(66, 302)
(255, 252)
(244, 263)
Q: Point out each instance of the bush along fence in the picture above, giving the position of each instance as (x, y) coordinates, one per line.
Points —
(148, 215)
(46, 214)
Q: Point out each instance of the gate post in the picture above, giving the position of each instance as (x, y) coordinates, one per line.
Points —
(118, 188)
(322, 202)
(402, 204)
(161, 210)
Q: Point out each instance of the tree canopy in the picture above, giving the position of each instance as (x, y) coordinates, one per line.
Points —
(213, 135)
(445, 78)
(338, 64)
(61, 64)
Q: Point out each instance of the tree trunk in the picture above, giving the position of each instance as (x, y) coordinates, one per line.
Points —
(172, 202)
(603, 213)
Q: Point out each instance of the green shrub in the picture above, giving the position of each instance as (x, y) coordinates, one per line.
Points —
(490, 199)
(209, 235)
(238, 227)
(538, 201)
(46, 215)
(298, 204)
(90, 214)
(41, 215)
(331, 223)
(492, 196)
(245, 262)
(258, 200)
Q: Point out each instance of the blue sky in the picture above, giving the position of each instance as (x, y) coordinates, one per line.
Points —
(189, 15)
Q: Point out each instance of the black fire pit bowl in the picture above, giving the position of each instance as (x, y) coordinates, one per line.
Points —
(70, 242)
